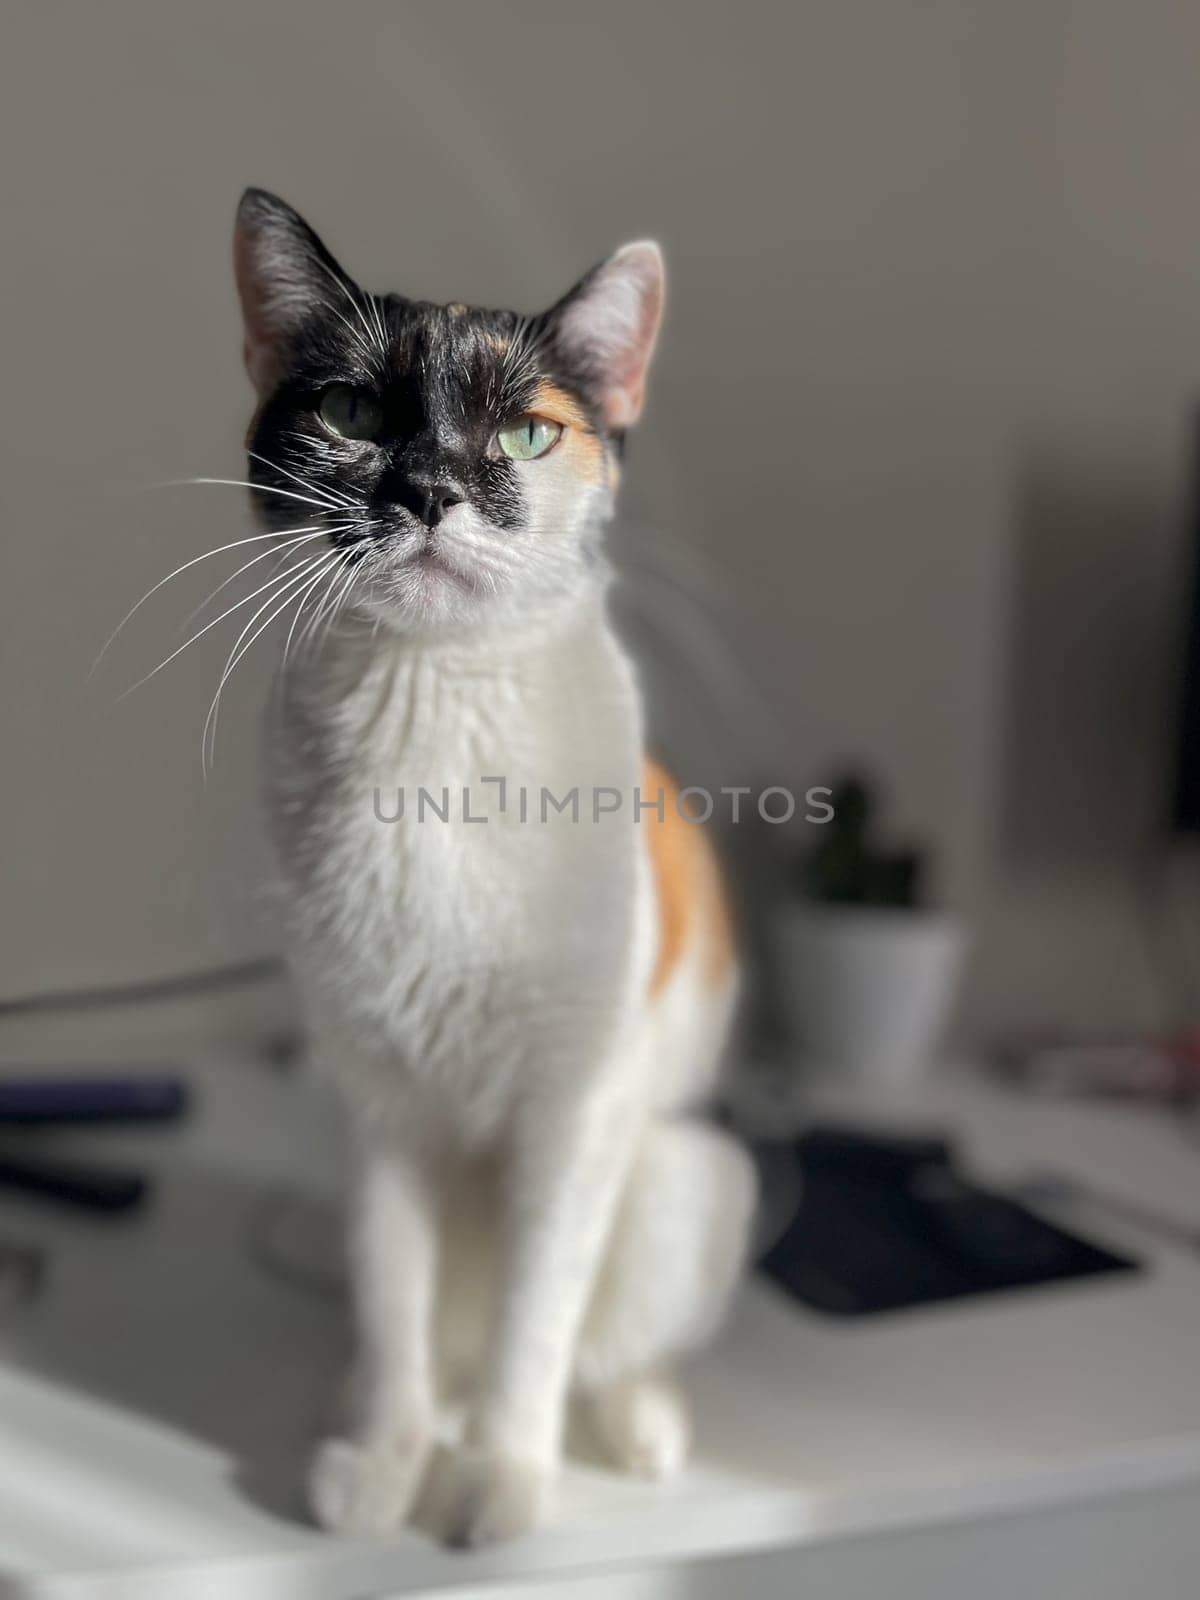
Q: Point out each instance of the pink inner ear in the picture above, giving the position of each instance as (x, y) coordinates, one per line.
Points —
(259, 365)
(262, 283)
(615, 323)
(259, 341)
(623, 405)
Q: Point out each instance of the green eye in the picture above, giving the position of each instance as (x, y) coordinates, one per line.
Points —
(529, 438)
(352, 413)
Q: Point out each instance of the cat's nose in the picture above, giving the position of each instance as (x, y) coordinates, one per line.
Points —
(428, 499)
(425, 489)
(436, 501)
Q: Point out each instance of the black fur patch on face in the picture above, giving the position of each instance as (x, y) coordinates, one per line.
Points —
(445, 378)
(379, 416)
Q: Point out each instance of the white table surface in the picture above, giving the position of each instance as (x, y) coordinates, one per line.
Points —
(156, 1402)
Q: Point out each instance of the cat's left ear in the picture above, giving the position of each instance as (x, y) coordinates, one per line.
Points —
(606, 328)
(283, 273)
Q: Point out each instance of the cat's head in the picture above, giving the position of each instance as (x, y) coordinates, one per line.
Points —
(461, 462)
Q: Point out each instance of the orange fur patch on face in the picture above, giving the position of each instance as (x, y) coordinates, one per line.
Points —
(687, 882)
(586, 454)
(585, 451)
(551, 401)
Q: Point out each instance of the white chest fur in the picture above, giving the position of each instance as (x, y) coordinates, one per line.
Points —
(455, 930)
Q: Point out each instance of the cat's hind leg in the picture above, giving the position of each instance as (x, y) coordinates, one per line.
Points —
(677, 1249)
(642, 1423)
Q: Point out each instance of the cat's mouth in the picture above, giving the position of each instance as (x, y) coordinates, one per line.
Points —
(430, 558)
(428, 567)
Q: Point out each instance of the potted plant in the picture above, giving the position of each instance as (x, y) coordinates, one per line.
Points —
(870, 970)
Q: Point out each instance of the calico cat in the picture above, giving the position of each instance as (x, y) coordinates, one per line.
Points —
(524, 1011)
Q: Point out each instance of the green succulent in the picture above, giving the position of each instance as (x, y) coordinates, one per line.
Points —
(846, 868)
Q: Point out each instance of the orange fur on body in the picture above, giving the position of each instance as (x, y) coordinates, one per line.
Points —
(687, 881)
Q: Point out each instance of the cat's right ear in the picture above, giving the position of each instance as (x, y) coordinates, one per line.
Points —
(283, 270)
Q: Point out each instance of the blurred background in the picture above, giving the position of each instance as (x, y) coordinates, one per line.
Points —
(921, 412)
(914, 499)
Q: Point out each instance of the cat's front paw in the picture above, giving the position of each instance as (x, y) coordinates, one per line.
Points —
(365, 1488)
(644, 1426)
(476, 1496)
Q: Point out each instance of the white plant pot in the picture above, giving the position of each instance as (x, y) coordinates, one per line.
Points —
(869, 990)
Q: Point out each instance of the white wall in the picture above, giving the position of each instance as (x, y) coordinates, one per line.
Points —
(934, 328)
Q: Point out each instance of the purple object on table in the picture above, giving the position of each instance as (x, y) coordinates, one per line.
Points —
(43, 1100)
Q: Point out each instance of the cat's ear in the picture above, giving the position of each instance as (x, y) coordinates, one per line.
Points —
(607, 325)
(283, 270)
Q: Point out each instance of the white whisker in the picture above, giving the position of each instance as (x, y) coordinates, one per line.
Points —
(309, 630)
(362, 343)
(337, 500)
(345, 288)
(220, 550)
(199, 634)
(263, 555)
(239, 649)
(244, 483)
(376, 306)
(287, 643)
(359, 566)
(343, 595)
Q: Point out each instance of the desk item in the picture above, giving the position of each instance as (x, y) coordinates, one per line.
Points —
(152, 1097)
(889, 1223)
(71, 1099)
(77, 1183)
